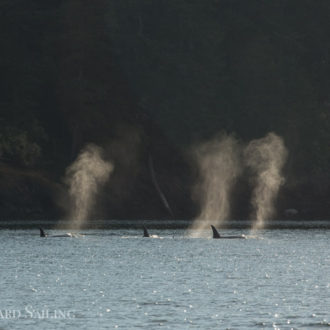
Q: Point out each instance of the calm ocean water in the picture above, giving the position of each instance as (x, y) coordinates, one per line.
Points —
(117, 279)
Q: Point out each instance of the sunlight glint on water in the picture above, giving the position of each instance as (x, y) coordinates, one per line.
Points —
(279, 278)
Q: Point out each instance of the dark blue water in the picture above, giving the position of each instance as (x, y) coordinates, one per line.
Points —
(117, 279)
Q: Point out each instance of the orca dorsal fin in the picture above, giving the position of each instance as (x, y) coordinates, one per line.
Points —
(42, 233)
(215, 232)
(145, 232)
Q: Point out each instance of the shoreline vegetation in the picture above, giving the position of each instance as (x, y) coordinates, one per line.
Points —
(148, 82)
(158, 225)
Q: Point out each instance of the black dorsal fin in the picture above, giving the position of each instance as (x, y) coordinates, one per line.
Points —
(215, 232)
(145, 232)
(42, 233)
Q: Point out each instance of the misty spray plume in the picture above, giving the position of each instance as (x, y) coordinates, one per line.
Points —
(219, 166)
(265, 157)
(85, 177)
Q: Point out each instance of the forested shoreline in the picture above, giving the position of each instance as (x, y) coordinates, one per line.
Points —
(150, 80)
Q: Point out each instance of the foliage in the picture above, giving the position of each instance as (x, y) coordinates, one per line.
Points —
(196, 67)
(247, 67)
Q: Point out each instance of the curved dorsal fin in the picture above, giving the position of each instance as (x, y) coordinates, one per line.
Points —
(42, 233)
(145, 232)
(215, 232)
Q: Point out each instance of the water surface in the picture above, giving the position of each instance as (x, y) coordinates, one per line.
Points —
(116, 278)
